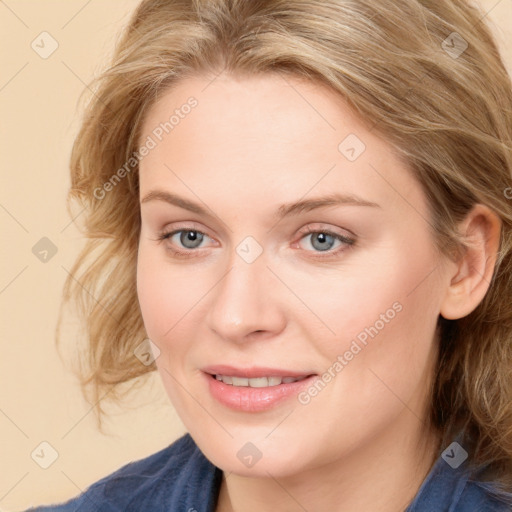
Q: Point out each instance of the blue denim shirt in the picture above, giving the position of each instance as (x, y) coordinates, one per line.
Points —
(180, 478)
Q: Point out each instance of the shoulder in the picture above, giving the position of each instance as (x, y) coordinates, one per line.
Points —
(456, 489)
(483, 497)
(177, 477)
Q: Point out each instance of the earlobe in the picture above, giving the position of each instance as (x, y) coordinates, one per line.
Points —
(470, 277)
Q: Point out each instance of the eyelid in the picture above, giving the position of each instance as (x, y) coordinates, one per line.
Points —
(191, 226)
(320, 228)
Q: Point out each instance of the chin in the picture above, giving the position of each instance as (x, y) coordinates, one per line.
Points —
(257, 458)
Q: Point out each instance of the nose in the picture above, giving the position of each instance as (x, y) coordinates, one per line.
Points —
(246, 302)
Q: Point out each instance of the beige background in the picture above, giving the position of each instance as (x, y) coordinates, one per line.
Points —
(39, 399)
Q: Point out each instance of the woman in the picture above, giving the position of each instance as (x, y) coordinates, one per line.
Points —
(306, 224)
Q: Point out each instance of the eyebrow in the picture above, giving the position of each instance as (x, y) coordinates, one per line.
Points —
(283, 210)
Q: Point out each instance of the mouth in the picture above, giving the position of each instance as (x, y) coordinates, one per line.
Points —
(254, 389)
(257, 382)
(255, 377)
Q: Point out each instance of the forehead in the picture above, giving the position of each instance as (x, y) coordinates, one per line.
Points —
(266, 134)
(258, 108)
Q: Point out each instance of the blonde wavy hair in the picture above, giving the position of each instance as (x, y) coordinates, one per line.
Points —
(449, 116)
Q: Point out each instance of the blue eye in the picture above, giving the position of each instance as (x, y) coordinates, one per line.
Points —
(323, 240)
(189, 238)
(193, 237)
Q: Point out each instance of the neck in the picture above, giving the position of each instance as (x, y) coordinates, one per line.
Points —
(383, 475)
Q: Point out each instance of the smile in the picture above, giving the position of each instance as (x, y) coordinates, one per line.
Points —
(255, 389)
(258, 382)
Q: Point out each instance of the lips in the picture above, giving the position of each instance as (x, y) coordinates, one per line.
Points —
(254, 389)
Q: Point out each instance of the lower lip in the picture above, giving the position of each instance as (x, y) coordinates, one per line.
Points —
(247, 399)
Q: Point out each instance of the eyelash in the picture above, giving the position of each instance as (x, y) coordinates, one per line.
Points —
(349, 242)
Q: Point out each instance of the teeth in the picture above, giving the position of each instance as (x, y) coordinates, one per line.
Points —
(239, 381)
(258, 382)
(287, 380)
(274, 381)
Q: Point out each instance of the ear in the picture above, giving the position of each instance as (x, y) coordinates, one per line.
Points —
(471, 275)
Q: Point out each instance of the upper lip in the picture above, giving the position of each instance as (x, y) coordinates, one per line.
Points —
(253, 372)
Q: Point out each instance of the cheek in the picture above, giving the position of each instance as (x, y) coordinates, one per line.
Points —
(166, 293)
(165, 297)
(150, 295)
(385, 344)
(386, 294)
(156, 300)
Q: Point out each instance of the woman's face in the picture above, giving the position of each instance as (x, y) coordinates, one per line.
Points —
(272, 280)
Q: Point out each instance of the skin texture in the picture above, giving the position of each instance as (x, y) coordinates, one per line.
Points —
(250, 145)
